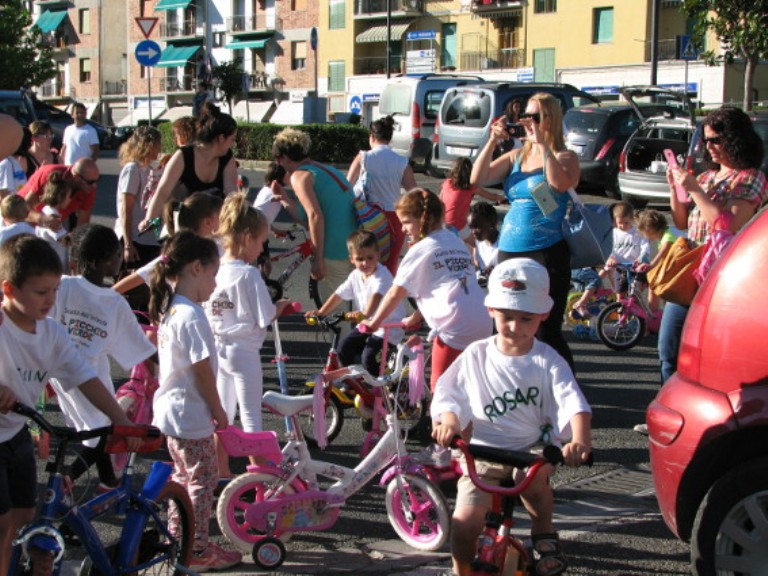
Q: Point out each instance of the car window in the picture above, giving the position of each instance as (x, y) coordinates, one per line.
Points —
(396, 99)
(468, 108)
(582, 101)
(431, 104)
(624, 124)
(584, 123)
(16, 109)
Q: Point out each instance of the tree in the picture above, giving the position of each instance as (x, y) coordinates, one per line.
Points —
(229, 78)
(741, 27)
(26, 61)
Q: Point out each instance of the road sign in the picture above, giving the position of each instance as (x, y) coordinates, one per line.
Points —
(148, 52)
(355, 104)
(686, 49)
(313, 38)
(146, 25)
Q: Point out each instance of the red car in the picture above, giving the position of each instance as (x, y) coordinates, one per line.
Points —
(708, 426)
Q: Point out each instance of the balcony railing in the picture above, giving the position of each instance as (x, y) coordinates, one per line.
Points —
(185, 83)
(667, 49)
(187, 29)
(57, 41)
(378, 65)
(254, 23)
(368, 7)
(492, 59)
(52, 89)
(112, 88)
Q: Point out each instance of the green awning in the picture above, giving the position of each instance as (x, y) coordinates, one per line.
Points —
(50, 20)
(379, 33)
(177, 55)
(240, 44)
(172, 4)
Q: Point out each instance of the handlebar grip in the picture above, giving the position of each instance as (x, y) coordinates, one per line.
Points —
(364, 329)
(292, 308)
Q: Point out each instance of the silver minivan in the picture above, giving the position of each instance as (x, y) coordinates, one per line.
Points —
(414, 102)
(467, 112)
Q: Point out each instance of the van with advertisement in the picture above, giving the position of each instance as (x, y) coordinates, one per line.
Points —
(413, 100)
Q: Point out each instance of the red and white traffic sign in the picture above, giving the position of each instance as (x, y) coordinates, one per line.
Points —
(146, 25)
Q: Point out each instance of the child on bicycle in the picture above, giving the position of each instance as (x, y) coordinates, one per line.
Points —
(365, 287)
(186, 406)
(102, 326)
(34, 348)
(482, 222)
(654, 227)
(437, 271)
(240, 311)
(512, 391)
(456, 193)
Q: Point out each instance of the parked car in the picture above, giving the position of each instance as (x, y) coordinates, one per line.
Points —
(414, 102)
(18, 104)
(709, 422)
(597, 135)
(642, 168)
(698, 155)
(467, 112)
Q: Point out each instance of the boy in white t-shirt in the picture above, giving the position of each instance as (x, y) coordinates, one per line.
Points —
(365, 287)
(34, 348)
(512, 391)
(14, 211)
(628, 244)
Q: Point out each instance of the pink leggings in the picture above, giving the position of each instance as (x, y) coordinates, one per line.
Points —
(442, 357)
(396, 245)
(196, 470)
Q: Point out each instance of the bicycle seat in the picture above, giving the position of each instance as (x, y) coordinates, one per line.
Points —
(286, 405)
(238, 442)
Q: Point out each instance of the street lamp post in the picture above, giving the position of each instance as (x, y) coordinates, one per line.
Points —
(389, 38)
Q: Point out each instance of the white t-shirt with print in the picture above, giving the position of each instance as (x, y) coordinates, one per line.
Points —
(487, 254)
(360, 289)
(630, 246)
(12, 175)
(510, 400)
(78, 141)
(240, 309)
(438, 272)
(29, 360)
(184, 338)
(15, 229)
(265, 203)
(102, 325)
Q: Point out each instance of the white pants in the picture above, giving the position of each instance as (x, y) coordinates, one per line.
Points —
(240, 382)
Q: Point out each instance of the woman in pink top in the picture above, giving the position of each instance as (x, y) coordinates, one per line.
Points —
(456, 193)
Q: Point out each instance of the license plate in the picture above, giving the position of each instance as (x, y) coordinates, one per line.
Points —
(577, 148)
(458, 151)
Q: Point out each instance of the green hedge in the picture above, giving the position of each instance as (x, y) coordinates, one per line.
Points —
(331, 143)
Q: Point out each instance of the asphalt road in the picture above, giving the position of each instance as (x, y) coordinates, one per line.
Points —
(607, 515)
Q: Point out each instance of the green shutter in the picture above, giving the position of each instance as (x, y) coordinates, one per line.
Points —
(336, 16)
(336, 76)
(603, 25)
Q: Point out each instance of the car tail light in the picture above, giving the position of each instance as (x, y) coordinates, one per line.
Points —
(664, 424)
(689, 355)
(436, 133)
(415, 122)
(605, 149)
(622, 161)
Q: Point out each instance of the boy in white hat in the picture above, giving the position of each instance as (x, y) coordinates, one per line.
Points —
(512, 391)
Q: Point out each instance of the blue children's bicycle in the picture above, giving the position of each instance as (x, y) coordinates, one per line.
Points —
(158, 526)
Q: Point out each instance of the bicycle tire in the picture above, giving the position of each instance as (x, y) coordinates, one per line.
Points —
(153, 542)
(423, 524)
(617, 334)
(411, 417)
(334, 420)
(314, 292)
(235, 498)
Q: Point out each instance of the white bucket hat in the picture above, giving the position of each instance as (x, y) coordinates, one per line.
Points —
(519, 284)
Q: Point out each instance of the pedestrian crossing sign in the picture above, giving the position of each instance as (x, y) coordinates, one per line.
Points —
(686, 48)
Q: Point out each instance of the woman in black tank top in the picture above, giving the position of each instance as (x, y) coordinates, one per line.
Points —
(206, 166)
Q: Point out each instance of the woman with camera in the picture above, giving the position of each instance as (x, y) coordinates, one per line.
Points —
(536, 180)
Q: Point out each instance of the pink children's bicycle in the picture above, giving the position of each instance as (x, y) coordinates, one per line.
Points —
(622, 324)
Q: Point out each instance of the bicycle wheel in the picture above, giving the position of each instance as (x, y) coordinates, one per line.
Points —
(334, 419)
(174, 510)
(411, 416)
(314, 292)
(617, 330)
(235, 499)
(418, 512)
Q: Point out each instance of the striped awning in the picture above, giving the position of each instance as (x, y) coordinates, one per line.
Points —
(50, 20)
(172, 4)
(177, 55)
(378, 33)
(240, 44)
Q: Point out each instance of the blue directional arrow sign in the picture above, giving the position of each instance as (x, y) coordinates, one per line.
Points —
(355, 104)
(148, 52)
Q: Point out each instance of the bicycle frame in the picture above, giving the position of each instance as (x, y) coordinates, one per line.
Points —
(635, 304)
(137, 508)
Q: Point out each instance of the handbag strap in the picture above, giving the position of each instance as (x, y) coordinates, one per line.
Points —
(338, 180)
(574, 196)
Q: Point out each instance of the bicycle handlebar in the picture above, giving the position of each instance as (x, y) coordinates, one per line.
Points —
(533, 462)
(403, 353)
(331, 320)
(292, 308)
(365, 329)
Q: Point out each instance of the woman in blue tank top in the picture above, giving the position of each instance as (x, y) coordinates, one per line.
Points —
(536, 181)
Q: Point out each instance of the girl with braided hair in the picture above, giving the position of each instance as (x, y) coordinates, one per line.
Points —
(438, 272)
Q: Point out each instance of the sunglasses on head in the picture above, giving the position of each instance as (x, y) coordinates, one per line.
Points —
(535, 116)
(716, 140)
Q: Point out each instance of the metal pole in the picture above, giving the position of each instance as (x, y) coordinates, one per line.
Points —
(655, 41)
(389, 37)
(149, 92)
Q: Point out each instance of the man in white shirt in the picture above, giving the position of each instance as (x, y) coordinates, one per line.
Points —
(80, 139)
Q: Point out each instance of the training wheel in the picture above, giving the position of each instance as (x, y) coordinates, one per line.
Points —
(268, 553)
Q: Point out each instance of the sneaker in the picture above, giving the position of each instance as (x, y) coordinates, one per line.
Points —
(641, 429)
(214, 558)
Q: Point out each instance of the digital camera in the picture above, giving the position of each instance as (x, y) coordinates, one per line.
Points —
(515, 130)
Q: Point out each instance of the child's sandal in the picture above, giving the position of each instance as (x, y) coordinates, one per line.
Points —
(548, 555)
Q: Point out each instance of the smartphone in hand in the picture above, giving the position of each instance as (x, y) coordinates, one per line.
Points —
(682, 195)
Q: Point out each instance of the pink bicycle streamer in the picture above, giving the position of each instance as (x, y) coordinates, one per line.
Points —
(416, 382)
(318, 409)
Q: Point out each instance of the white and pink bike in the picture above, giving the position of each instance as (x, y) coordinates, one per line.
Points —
(259, 510)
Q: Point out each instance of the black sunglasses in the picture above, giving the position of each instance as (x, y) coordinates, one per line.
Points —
(716, 140)
(89, 182)
(535, 116)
